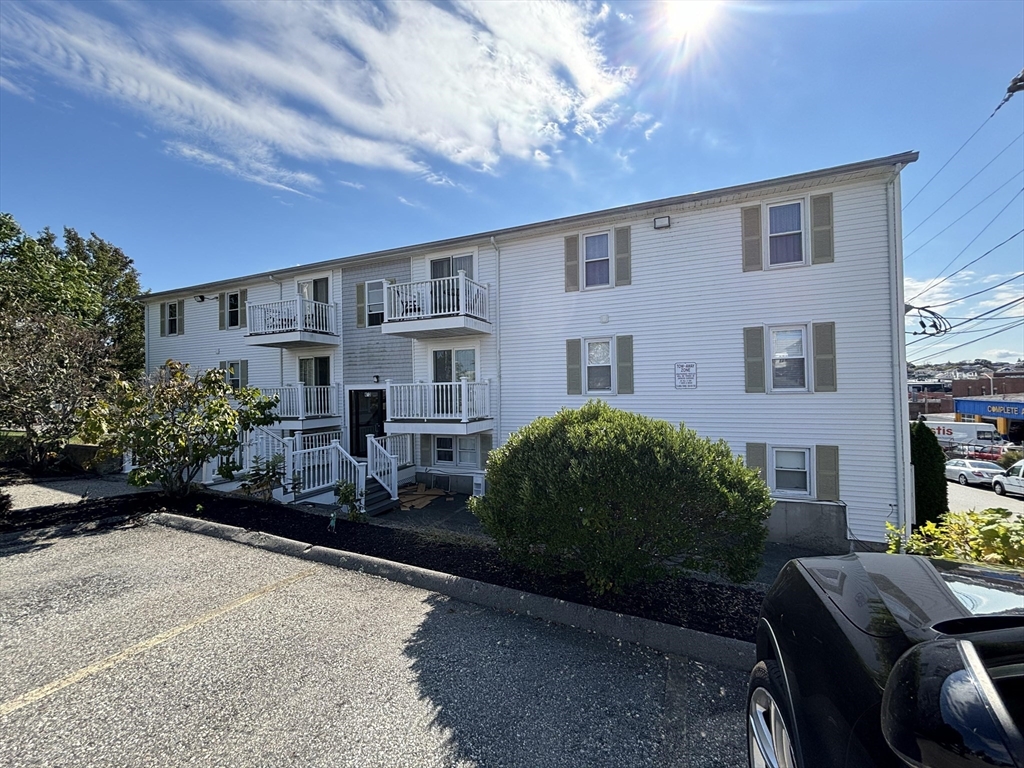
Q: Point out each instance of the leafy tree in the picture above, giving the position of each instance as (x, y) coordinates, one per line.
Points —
(174, 422)
(929, 462)
(51, 370)
(621, 497)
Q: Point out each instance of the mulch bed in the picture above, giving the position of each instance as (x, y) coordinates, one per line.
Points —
(727, 610)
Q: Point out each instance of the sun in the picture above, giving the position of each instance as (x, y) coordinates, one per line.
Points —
(689, 18)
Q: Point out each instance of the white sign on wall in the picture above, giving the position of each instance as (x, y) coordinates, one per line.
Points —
(686, 375)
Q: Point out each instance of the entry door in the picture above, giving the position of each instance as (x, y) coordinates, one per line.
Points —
(313, 289)
(367, 411)
(450, 365)
(445, 295)
(315, 372)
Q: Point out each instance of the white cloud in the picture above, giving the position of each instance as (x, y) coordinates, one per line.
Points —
(394, 85)
(650, 131)
(17, 90)
(1003, 354)
(353, 184)
(410, 203)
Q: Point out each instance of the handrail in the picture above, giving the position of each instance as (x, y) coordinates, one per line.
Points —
(440, 297)
(286, 315)
(382, 466)
(298, 401)
(462, 400)
(322, 468)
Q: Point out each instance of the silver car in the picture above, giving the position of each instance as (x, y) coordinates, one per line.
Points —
(972, 472)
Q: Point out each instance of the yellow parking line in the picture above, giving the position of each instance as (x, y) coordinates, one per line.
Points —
(51, 688)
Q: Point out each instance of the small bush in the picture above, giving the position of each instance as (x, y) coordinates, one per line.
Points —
(929, 463)
(6, 504)
(1009, 458)
(992, 536)
(620, 497)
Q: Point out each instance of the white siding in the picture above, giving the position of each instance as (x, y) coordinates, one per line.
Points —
(689, 302)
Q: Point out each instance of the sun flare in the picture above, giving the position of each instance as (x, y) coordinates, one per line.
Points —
(689, 18)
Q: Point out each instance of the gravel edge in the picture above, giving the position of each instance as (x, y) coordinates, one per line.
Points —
(698, 646)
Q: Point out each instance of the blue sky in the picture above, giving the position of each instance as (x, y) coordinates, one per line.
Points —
(211, 140)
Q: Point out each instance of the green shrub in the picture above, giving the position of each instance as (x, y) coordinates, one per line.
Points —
(620, 497)
(929, 463)
(991, 536)
(1009, 458)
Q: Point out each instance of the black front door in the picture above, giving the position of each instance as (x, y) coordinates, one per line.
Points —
(366, 413)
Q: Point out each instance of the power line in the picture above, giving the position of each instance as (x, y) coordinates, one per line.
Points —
(986, 253)
(1006, 327)
(922, 189)
(964, 185)
(983, 290)
(1000, 308)
(958, 346)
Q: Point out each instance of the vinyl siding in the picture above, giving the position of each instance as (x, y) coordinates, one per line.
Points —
(367, 351)
(689, 302)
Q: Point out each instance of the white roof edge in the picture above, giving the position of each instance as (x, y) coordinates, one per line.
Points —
(897, 161)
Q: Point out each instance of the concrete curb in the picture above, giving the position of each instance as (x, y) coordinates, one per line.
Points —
(698, 646)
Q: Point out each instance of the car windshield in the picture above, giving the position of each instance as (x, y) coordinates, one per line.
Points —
(984, 465)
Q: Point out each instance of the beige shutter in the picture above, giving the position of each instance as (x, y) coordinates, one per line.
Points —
(360, 305)
(426, 450)
(624, 364)
(243, 296)
(573, 367)
(486, 443)
(822, 251)
(243, 374)
(181, 317)
(757, 458)
(623, 268)
(163, 319)
(572, 263)
(753, 259)
(753, 359)
(826, 472)
(222, 310)
(824, 357)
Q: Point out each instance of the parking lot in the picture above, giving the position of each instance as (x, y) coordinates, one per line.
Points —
(150, 646)
(981, 497)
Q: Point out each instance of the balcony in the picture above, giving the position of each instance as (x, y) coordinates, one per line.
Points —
(439, 408)
(447, 306)
(291, 323)
(297, 402)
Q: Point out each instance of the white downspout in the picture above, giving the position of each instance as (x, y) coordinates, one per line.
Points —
(901, 409)
(497, 335)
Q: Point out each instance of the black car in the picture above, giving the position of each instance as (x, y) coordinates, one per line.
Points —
(889, 660)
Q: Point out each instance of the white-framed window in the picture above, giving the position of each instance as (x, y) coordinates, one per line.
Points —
(597, 258)
(444, 449)
(233, 309)
(788, 349)
(374, 303)
(314, 288)
(786, 227)
(791, 471)
(463, 451)
(467, 451)
(173, 326)
(233, 373)
(449, 266)
(598, 359)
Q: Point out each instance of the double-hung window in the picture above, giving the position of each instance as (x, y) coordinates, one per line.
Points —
(375, 303)
(785, 234)
(789, 358)
(235, 372)
(791, 470)
(172, 319)
(444, 449)
(596, 260)
(599, 365)
(233, 310)
(461, 451)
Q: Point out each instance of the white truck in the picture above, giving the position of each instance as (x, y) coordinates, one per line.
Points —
(953, 433)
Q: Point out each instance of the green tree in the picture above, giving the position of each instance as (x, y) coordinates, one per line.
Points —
(930, 492)
(620, 497)
(174, 422)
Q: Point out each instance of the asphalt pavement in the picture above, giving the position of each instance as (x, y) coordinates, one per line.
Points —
(980, 497)
(151, 646)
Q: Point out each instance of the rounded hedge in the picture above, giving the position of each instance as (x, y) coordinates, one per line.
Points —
(621, 497)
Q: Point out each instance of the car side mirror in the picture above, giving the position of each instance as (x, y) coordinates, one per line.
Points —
(940, 709)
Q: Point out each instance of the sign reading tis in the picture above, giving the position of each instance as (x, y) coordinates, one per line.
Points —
(686, 375)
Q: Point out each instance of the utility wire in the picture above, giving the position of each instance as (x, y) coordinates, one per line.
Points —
(1000, 308)
(930, 286)
(969, 295)
(958, 346)
(958, 190)
(1017, 84)
(922, 189)
(1006, 327)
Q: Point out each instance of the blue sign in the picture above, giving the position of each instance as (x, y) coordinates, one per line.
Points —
(992, 409)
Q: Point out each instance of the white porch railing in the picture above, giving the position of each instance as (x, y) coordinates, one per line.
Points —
(458, 295)
(296, 314)
(320, 439)
(320, 469)
(399, 446)
(462, 400)
(297, 401)
(382, 466)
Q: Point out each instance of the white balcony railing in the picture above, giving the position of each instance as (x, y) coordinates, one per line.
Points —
(462, 400)
(289, 315)
(399, 446)
(297, 401)
(445, 296)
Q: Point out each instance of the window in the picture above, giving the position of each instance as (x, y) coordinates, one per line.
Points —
(785, 234)
(315, 289)
(375, 303)
(467, 451)
(599, 365)
(791, 475)
(789, 358)
(235, 372)
(596, 260)
(461, 451)
(444, 450)
(172, 319)
(450, 266)
(233, 310)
